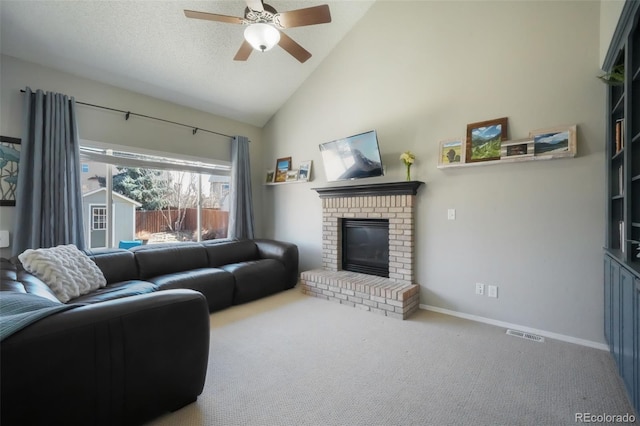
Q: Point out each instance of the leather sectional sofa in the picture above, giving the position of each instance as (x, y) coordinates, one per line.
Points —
(138, 347)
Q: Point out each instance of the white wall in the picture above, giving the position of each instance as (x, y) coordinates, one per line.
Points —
(110, 127)
(418, 72)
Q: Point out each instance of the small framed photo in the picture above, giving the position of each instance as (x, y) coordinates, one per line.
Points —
(283, 165)
(269, 176)
(555, 142)
(517, 148)
(292, 175)
(484, 139)
(452, 151)
(304, 173)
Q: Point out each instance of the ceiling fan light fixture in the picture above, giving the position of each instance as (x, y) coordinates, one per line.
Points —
(262, 36)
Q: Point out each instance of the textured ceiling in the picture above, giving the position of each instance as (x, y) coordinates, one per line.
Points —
(150, 47)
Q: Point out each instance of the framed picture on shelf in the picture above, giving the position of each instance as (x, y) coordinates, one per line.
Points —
(452, 151)
(484, 139)
(517, 148)
(9, 159)
(269, 176)
(283, 165)
(292, 175)
(555, 142)
(304, 172)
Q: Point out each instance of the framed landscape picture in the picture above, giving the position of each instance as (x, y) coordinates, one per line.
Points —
(555, 142)
(283, 165)
(292, 175)
(304, 173)
(484, 139)
(452, 151)
(9, 159)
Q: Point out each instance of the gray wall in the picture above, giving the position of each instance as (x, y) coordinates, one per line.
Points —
(419, 72)
(610, 11)
(96, 125)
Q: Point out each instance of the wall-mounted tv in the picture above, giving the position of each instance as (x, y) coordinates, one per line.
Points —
(354, 157)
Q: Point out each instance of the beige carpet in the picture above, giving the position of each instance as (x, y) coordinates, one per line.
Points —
(292, 359)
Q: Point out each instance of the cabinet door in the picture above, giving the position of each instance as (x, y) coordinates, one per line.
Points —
(615, 314)
(636, 333)
(627, 343)
(607, 300)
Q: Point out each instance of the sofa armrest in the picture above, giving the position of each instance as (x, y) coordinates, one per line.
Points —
(122, 361)
(287, 253)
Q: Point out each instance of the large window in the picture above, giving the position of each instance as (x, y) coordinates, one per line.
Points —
(152, 199)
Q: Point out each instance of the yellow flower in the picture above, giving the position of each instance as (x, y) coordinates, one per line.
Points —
(408, 157)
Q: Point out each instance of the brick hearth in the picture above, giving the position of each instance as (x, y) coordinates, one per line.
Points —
(396, 296)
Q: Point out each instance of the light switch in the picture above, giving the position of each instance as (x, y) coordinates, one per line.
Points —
(4, 239)
(451, 214)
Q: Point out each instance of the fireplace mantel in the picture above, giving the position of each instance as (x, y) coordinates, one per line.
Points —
(386, 188)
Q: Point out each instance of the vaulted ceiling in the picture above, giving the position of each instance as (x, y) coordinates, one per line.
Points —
(150, 47)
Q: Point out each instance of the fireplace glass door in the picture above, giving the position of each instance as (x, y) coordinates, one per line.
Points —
(365, 246)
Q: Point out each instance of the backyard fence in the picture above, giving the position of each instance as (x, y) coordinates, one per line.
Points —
(213, 220)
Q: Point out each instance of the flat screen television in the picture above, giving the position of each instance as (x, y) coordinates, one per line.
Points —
(354, 157)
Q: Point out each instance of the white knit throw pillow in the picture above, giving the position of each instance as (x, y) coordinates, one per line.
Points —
(65, 269)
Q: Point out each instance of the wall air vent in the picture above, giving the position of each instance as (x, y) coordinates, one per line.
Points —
(524, 335)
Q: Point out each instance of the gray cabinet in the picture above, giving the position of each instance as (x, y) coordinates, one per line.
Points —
(622, 322)
(622, 243)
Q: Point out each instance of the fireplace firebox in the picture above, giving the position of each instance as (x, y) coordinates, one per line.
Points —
(365, 246)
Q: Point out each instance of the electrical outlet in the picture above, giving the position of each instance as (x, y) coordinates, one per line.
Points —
(480, 289)
(492, 291)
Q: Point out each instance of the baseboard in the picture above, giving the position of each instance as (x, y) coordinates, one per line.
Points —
(504, 324)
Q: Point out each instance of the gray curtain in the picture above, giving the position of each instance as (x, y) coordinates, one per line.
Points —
(241, 202)
(48, 195)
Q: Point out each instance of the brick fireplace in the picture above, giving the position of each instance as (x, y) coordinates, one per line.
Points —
(396, 296)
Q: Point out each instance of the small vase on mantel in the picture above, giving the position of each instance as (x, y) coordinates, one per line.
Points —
(408, 158)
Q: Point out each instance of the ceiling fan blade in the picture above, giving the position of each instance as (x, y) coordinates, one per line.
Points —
(297, 51)
(243, 52)
(213, 17)
(301, 17)
(255, 5)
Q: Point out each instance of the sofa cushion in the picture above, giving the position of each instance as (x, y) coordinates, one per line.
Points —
(117, 265)
(229, 252)
(153, 262)
(215, 284)
(256, 279)
(117, 291)
(68, 271)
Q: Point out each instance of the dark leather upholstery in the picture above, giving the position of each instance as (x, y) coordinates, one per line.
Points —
(215, 284)
(132, 352)
(168, 259)
(118, 362)
(256, 279)
(117, 265)
(230, 252)
(286, 253)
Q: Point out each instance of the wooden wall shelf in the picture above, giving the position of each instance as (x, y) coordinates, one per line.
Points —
(507, 160)
(285, 183)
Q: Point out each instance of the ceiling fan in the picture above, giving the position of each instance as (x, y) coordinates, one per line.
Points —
(264, 25)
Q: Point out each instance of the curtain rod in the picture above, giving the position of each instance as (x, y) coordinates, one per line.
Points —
(127, 114)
